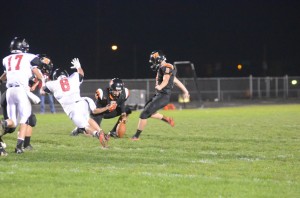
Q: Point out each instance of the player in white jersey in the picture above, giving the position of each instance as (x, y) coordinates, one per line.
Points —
(18, 68)
(66, 90)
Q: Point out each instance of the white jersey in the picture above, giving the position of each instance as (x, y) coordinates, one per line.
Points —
(18, 69)
(66, 91)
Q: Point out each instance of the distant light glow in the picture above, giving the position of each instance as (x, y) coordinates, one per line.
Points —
(239, 66)
(294, 82)
(114, 47)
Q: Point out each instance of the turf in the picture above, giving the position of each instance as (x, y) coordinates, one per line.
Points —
(248, 151)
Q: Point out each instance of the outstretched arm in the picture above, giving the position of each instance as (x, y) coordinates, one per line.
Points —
(182, 87)
(77, 65)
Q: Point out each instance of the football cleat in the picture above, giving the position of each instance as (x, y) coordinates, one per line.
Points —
(171, 121)
(113, 134)
(76, 132)
(103, 139)
(19, 151)
(28, 148)
(2, 150)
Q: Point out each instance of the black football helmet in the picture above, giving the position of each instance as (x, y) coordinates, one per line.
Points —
(115, 84)
(45, 68)
(19, 45)
(156, 58)
(59, 72)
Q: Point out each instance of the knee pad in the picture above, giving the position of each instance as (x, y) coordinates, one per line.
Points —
(9, 130)
(128, 110)
(145, 115)
(31, 120)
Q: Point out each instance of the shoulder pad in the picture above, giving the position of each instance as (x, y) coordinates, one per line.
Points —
(99, 94)
(126, 92)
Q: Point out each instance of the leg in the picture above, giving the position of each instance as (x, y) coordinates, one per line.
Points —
(94, 130)
(127, 111)
(51, 103)
(21, 137)
(31, 122)
(28, 134)
(150, 110)
(42, 103)
(113, 132)
(19, 105)
(81, 118)
(168, 120)
(142, 124)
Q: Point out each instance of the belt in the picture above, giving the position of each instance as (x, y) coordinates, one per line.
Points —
(13, 86)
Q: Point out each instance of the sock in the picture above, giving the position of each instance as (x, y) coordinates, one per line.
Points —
(137, 134)
(95, 133)
(165, 119)
(20, 143)
(27, 141)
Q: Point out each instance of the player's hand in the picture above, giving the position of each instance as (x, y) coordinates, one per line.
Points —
(32, 88)
(76, 63)
(157, 87)
(186, 96)
(112, 107)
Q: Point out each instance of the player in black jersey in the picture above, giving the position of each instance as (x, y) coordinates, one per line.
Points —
(165, 80)
(113, 96)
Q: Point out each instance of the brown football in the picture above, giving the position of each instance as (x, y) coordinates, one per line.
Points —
(121, 129)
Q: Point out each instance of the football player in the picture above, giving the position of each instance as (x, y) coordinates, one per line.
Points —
(31, 122)
(66, 90)
(46, 71)
(114, 95)
(165, 80)
(18, 68)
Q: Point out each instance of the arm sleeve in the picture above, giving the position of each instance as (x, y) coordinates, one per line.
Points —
(36, 62)
(122, 107)
(80, 78)
(47, 90)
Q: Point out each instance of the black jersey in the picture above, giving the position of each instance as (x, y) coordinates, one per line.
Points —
(166, 69)
(104, 98)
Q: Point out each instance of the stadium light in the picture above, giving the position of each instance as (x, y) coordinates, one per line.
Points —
(294, 82)
(240, 67)
(114, 47)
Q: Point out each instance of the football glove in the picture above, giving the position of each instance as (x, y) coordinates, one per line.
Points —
(76, 63)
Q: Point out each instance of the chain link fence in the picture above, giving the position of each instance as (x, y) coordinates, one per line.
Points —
(209, 89)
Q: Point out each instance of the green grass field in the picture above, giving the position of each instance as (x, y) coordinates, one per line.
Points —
(251, 151)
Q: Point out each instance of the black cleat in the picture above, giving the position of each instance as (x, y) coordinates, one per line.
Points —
(113, 134)
(19, 151)
(28, 148)
(76, 132)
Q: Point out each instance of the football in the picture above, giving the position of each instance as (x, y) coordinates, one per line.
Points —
(121, 129)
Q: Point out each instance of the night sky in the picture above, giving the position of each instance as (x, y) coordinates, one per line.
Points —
(216, 35)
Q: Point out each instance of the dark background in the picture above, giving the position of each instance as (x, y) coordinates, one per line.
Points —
(216, 35)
